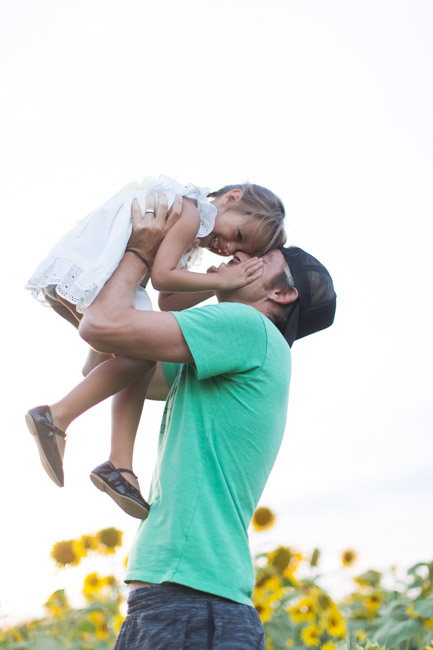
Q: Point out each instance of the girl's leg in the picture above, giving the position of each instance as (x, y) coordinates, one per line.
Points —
(49, 423)
(63, 308)
(105, 380)
(94, 358)
(126, 409)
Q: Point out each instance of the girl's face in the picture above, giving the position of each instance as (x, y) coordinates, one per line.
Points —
(232, 232)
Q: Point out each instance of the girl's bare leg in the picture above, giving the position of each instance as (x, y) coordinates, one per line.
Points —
(94, 358)
(105, 380)
(126, 409)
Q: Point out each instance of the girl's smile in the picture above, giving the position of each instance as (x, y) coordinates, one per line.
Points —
(232, 232)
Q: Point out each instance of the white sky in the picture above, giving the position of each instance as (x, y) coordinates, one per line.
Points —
(328, 103)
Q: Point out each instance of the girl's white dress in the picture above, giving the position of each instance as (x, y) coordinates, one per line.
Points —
(85, 258)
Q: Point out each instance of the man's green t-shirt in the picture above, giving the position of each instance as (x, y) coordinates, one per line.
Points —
(220, 434)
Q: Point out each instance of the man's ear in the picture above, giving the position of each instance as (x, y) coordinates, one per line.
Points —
(283, 296)
(231, 197)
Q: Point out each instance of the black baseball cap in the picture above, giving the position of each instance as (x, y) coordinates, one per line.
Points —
(315, 307)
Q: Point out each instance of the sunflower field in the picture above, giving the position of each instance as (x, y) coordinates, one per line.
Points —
(383, 611)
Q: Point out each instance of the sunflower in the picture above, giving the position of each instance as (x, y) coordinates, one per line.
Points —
(264, 610)
(334, 623)
(100, 623)
(303, 611)
(321, 601)
(56, 604)
(92, 586)
(263, 519)
(110, 581)
(68, 552)
(311, 635)
(369, 579)
(285, 560)
(109, 539)
(117, 622)
(360, 635)
(349, 557)
(88, 543)
(373, 601)
(268, 590)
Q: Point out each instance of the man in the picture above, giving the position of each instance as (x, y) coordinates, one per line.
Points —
(228, 371)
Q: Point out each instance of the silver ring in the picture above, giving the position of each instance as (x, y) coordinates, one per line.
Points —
(152, 211)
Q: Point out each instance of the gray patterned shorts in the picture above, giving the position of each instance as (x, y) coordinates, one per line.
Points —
(173, 617)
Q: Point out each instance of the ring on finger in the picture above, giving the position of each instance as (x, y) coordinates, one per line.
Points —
(149, 210)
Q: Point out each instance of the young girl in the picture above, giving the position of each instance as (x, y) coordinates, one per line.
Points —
(241, 217)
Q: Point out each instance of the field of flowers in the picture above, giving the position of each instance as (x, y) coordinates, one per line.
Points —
(296, 611)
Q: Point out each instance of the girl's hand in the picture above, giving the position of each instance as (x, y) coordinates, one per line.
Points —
(235, 276)
(149, 230)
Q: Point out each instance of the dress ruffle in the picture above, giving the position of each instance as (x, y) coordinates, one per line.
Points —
(86, 257)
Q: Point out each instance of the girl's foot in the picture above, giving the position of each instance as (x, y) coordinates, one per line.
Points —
(50, 441)
(110, 479)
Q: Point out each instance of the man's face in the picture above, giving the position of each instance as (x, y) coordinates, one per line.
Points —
(273, 264)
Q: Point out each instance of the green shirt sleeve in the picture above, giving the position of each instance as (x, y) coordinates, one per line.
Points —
(224, 339)
(170, 371)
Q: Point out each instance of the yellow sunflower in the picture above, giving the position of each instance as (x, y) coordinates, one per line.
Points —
(349, 557)
(373, 601)
(92, 586)
(263, 519)
(67, 552)
(269, 590)
(321, 601)
(303, 611)
(369, 579)
(88, 543)
(334, 623)
(109, 539)
(117, 623)
(311, 635)
(100, 623)
(264, 610)
(285, 560)
(360, 635)
(57, 604)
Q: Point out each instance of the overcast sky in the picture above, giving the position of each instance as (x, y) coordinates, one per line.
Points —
(329, 103)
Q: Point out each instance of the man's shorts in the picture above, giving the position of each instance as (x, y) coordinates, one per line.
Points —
(173, 617)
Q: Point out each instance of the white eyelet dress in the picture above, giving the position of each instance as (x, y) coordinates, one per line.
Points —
(84, 259)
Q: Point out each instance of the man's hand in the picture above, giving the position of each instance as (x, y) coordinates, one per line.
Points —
(234, 276)
(149, 230)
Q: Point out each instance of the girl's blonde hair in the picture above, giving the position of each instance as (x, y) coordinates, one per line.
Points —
(263, 205)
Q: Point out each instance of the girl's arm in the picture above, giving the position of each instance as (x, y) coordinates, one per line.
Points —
(179, 301)
(167, 277)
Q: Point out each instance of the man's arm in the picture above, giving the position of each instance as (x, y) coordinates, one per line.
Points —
(112, 324)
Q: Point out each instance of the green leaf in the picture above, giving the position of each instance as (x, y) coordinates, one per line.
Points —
(423, 608)
(48, 643)
(87, 626)
(395, 608)
(393, 633)
(413, 569)
(352, 642)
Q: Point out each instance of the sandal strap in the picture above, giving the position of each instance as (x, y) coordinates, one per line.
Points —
(54, 429)
(128, 471)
